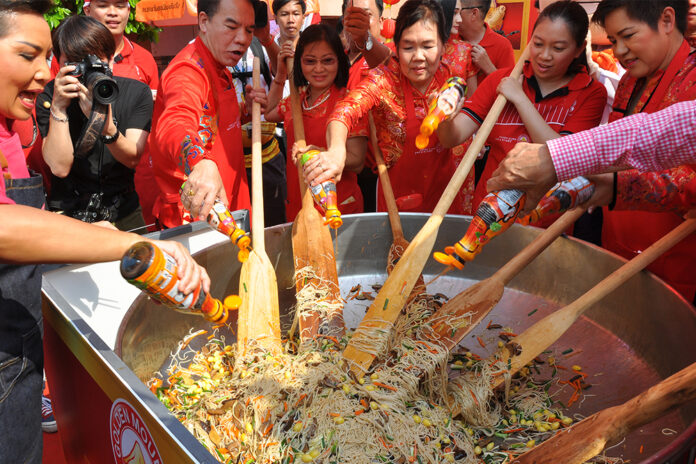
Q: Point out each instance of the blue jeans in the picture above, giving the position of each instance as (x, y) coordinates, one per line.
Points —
(21, 349)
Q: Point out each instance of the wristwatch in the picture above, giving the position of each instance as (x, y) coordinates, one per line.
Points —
(109, 139)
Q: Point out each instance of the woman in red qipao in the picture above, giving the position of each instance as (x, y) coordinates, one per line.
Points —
(554, 97)
(397, 94)
(648, 39)
(323, 76)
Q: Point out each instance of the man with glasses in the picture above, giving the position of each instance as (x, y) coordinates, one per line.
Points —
(490, 50)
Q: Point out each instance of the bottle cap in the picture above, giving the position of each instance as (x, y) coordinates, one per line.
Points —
(308, 155)
(333, 218)
(232, 302)
(448, 260)
(429, 124)
(422, 141)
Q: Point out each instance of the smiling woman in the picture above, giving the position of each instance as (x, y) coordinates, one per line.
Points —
(555, 97)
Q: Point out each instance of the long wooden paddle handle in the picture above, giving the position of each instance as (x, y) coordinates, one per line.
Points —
(257, 223)
(392, 209)
(298, 130)
(633, 267)
(657, 400)
(506, 273)
(480, 138)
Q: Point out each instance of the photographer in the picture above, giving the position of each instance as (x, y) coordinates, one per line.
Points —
(94, 131)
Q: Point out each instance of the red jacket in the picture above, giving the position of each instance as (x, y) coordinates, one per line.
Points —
(629, 232)
(196, 119)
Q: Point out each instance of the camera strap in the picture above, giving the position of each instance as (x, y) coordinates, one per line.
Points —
(91, 132)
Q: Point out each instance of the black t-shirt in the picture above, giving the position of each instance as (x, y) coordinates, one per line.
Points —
(99, 171)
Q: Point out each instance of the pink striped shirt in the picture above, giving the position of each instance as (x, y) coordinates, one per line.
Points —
(648, 142)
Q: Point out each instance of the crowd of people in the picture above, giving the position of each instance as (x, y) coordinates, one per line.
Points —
(88, 158)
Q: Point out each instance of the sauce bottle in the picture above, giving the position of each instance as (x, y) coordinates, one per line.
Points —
(155, 272)
(496, 213)
(221, 220)
(324, 195)
(441, 107)
(563, 196)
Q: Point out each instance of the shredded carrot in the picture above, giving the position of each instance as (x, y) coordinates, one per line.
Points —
(285, 406)
(268, 430)
(156, 383)
(334, 414)
(508, 334)
(299, 400)
(381, 440)
(359, 411)
(489, 324)
(474, 397)
(211, 336)
(641, 449)
(483, 345)
(384, 385)
(364, 403)
(513, 430)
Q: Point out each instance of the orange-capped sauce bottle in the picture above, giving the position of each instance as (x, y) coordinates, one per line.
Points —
(496, 213)
(220, 218)
(562, 197)
(441, 107)
(155, 272)
(325, 195)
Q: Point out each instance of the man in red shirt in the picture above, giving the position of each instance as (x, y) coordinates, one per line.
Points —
(196, 139)
(490, 50)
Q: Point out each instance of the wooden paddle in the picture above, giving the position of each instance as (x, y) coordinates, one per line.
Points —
(312, 247)
(533, 341)
(399, 243)
(370, 337)
(588, 438)
(258, 320)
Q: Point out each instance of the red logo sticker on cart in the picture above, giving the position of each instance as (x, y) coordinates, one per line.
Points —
(131, 441)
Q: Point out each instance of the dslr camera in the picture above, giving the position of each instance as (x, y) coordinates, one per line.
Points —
(97, 77)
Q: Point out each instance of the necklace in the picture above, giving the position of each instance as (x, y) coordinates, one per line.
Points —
(322, 98)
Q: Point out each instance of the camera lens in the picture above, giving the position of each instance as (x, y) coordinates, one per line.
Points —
(104, 88)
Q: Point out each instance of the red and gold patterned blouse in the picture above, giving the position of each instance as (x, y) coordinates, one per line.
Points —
(418, 177)
(381, 91)
(457, 56)
(629, 232)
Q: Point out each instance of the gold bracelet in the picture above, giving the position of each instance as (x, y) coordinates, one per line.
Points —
(57, 118)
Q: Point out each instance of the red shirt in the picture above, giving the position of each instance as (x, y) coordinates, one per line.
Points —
(315, 120)
(573, 108)
(196, 119)
(499, 50)
(629, 232)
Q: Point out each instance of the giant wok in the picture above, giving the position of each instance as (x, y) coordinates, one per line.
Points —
(643, 332)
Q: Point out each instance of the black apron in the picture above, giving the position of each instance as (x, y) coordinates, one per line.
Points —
(21, 350)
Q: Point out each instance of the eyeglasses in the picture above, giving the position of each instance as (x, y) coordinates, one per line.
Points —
(311, 62)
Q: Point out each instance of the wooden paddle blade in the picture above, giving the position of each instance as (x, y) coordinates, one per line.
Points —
(370, 337)
(259, 320)
(313, 252)
(451, 323)
(312, 246)
(588, 438)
